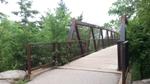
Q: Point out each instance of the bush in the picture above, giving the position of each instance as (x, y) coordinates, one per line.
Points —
(139, 50)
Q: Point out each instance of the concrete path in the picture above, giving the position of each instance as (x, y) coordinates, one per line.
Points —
(97, 68)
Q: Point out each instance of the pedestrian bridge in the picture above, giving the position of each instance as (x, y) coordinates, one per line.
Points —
(97, 68)
(89, 56)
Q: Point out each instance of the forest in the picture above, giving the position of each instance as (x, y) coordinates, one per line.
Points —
(15, 35)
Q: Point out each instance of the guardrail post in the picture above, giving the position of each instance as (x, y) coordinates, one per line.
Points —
(115, 39)
(123, 59)
(112, 38)
(127, 54)
(94, 42)
(29, 59)
(119, 55)
(79, 39)
(88, 42)
(123, 64)
(99, 37)
(54, 54)
(102, 39)
(107, 36)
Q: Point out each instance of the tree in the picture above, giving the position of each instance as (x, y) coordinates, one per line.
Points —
(138, 33)
(113, 24)
(55, 25)
(25, 11)
(11, 50)
(124, 7)
(3, 1)
(120, 8)
(80, 18)
(2, 15)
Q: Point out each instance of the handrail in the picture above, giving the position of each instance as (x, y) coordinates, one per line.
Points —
(81, 46)
(123, 59)
(92, 26)
(74, 30)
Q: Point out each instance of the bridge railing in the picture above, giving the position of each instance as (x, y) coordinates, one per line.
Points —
(83, 39)
(123, 59)
(42, 55)
(98, 36)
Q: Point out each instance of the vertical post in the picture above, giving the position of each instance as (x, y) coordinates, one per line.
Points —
(107, 36)
(122, 51)
(58, 54)
(68, 51)
(29, 59)
(125, 61)
(123, 64)
(78, 37)
(119, 55)
(127, 54)
(54, 54)
(88, 42)
(122, 28)
(72, 29)
(111, 37)
(102, 38)
(115, 40)
(94, 42)
(99, 39)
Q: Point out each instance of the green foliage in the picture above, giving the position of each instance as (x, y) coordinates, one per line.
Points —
(14, 36)
(13, 49)
(113, 24)
(8, 33)
(80, 18)
(138, 33)
(22, 82)
(2, 16)
(135, 70)
(25, 11)
(123, 7)
(3, 1)
(55, 26)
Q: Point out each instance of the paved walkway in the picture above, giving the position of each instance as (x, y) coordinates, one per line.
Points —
(97, 68)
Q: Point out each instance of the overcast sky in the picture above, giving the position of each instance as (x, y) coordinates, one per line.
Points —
(94, 11)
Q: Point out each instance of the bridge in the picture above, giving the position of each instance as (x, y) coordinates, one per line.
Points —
(91, 55)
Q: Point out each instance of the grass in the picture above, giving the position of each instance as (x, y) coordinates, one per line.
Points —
(22, 82)
(135, 71)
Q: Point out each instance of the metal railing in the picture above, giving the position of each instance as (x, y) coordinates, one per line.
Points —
(51, 54)
(123, 59)
(95, 32)
(78, 45)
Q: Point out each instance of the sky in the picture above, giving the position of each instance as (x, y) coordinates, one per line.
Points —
(94, 11)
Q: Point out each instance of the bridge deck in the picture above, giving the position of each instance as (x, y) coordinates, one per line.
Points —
(97, 68)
